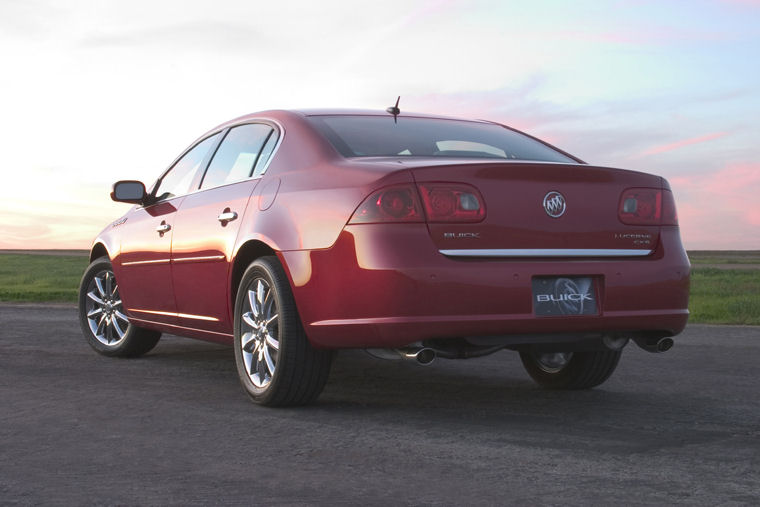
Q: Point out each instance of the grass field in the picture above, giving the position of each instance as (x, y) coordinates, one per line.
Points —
(718, 296)
(725, 296)
(40, 278)
(712, 257)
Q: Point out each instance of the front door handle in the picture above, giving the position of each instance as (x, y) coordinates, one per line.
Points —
(163, 228)
(227, 216)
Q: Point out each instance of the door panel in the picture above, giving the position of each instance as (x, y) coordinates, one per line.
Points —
(203, 243)
(143, 267)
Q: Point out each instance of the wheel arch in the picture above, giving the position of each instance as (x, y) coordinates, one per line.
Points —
(98, 250)
(246, 254)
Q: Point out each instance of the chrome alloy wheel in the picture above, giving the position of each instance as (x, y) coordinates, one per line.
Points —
(104, 310)
(260, 326)
(553, 362)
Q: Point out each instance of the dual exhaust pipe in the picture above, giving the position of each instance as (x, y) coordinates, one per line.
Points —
(650, 344)
(655, 345)
(425, 355)
(421, 355)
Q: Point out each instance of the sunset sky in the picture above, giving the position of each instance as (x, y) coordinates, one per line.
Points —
(96, 91)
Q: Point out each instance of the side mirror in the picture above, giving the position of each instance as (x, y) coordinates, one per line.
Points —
(128, 191)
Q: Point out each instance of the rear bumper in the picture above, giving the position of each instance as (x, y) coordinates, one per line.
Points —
(388, 286)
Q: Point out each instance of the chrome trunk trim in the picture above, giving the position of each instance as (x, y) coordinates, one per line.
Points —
(547, 252)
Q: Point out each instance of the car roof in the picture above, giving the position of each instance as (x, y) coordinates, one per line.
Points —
(373, 112)
(281, 113)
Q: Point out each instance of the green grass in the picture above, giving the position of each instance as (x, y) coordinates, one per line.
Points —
(718, 296)
(701, 257)
(40, 278)
(725, 296)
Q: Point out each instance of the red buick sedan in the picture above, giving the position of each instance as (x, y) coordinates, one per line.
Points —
(291, 234)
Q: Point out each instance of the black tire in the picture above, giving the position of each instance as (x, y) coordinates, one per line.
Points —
(101, 316)
(276, 364)
(582, 370)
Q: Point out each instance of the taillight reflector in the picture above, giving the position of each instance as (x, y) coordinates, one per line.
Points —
(391, 204)
(442, 202)
(452, 202)
(647, 206)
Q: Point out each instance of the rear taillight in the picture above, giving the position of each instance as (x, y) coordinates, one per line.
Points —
(452, 202)
(669, 215)
(391, 204)
(647, 206)
(442, 202)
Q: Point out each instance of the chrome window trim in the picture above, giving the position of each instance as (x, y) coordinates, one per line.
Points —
(273, 123)
(547, 252)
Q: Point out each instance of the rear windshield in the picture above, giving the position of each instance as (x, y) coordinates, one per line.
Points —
(381, 136)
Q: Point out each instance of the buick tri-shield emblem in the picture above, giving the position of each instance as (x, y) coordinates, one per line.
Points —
(554, 204)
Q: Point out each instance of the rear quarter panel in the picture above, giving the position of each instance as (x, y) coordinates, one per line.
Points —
(317, 191)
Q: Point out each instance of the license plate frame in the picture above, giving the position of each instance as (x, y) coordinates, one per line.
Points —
(565, 296)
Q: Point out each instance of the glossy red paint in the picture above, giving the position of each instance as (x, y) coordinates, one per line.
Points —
(142, 261)
(202, 247)
(388, 285)
(390, 297)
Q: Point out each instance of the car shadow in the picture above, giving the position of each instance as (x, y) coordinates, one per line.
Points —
(491, 397)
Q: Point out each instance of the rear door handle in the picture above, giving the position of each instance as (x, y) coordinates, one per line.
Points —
(227, 216)
(163, 228)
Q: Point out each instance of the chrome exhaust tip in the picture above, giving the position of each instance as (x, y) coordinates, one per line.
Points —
(655, 345)
(423, 355)
(664, 344)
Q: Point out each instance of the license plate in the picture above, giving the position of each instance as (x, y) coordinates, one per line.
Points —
(564, 295)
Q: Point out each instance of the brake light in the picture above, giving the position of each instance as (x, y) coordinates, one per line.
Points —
(452, 202)
(647, 206)
(391, 204)
(669, 214)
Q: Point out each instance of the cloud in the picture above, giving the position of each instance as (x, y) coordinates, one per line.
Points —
(640, 36)
(720, 209)
(209, 36)
(744, 3)
(680, 144)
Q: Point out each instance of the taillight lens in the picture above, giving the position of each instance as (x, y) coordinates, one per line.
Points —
(452, 202)
(669, 214)
(391, 204)
(647, 206)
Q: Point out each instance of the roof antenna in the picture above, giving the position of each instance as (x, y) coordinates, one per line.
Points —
(394, 110)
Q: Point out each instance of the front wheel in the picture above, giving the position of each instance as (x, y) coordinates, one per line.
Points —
(276, 364)
(101, 315)
(570, 370)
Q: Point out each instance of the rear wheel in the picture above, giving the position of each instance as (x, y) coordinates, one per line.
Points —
(276, 364)
(101, 315)
(570, 370)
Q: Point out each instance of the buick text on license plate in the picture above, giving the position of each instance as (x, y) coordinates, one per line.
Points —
(564, 295)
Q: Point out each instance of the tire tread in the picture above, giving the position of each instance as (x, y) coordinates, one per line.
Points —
(302, 370)
(586, 369)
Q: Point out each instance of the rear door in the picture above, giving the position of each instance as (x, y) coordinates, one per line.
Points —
(207, 226)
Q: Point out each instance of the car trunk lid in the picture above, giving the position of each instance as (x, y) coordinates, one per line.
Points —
(541, 209)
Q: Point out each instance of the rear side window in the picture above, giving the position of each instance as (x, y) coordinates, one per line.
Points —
(237, 155)
(179, 178)
(381, 136)
(266, 153)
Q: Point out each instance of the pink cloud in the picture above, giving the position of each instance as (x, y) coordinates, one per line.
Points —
(720, 210)
(680, 144)
(652, 36)
(748, 3)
